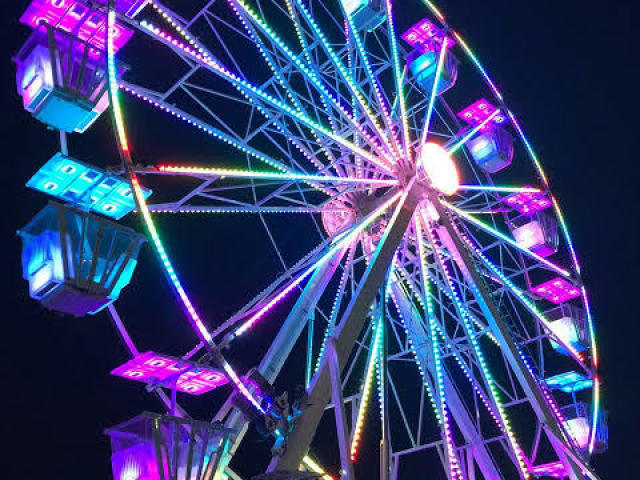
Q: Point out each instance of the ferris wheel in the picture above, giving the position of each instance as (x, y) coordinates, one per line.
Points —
(438, 280)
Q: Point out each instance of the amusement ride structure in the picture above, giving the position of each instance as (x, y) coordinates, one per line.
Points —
(440, 272)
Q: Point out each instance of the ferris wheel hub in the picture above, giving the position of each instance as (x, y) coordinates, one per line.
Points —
(437, 168)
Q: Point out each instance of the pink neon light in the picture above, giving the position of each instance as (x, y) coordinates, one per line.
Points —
(528, 202)
(557, 290)
(424, 34)
(478, 112)
(555, 470)
(74, 16)
(151, 367)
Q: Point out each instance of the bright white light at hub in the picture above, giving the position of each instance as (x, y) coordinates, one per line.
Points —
(440, 169)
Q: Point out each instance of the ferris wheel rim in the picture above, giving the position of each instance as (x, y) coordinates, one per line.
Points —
(532, 155)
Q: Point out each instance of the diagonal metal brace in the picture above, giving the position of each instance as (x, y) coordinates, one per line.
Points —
(347, 333)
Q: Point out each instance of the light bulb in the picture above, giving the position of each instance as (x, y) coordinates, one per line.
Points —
(440, 168)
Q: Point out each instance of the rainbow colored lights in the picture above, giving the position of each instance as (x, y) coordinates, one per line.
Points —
(373, 80)
(223, 172)
(196, 321)
(525, 140)
(342, 70)
(506, 239)
(344, 241)
(251, 89)
(397, 73)
(309, 74)
(372, 361)
(437, 358)
(395, 277)
(369, 138)
(215, 132)
(495, 115)
(471, 335)
(517, 292)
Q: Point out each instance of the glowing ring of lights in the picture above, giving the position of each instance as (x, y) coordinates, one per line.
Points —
(436, 161)
(556, 206)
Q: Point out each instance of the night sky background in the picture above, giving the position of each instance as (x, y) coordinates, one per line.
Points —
(569, 70)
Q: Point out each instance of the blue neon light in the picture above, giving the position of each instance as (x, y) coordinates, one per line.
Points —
(70, 180)
(569, 382)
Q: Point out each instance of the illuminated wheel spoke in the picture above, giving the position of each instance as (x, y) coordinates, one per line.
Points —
(362, 186)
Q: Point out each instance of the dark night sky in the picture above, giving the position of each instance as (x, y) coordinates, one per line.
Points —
(570, 72)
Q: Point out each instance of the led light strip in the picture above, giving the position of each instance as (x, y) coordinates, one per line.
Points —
(545, 180)
(374, 83)
(376, 342)
(397, 72)
(118, 119)
(303, 46)
(575, 354)
(278, 75)
(214, 132)
(468, 136)
(335, 59)
(596, 378)
(457, 356)
(403, 287)
(205, 54)
(354, 101)
(336, 305)
(473, 384)
(226, 172)
(249, 88)
(505, 238)
(491, 188)
(437, 357)
(477, 322)
(556, 410)
(305, 70)
(260, 313)
(248, 210)
(381, 365)
(310, 464)
(344, 241)
(520, 294)
(183, 33)
(545, 392)
(516, 124)
(434, 91)
(484, 368)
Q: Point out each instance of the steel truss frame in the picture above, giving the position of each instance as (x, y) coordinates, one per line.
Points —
(277, 136)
